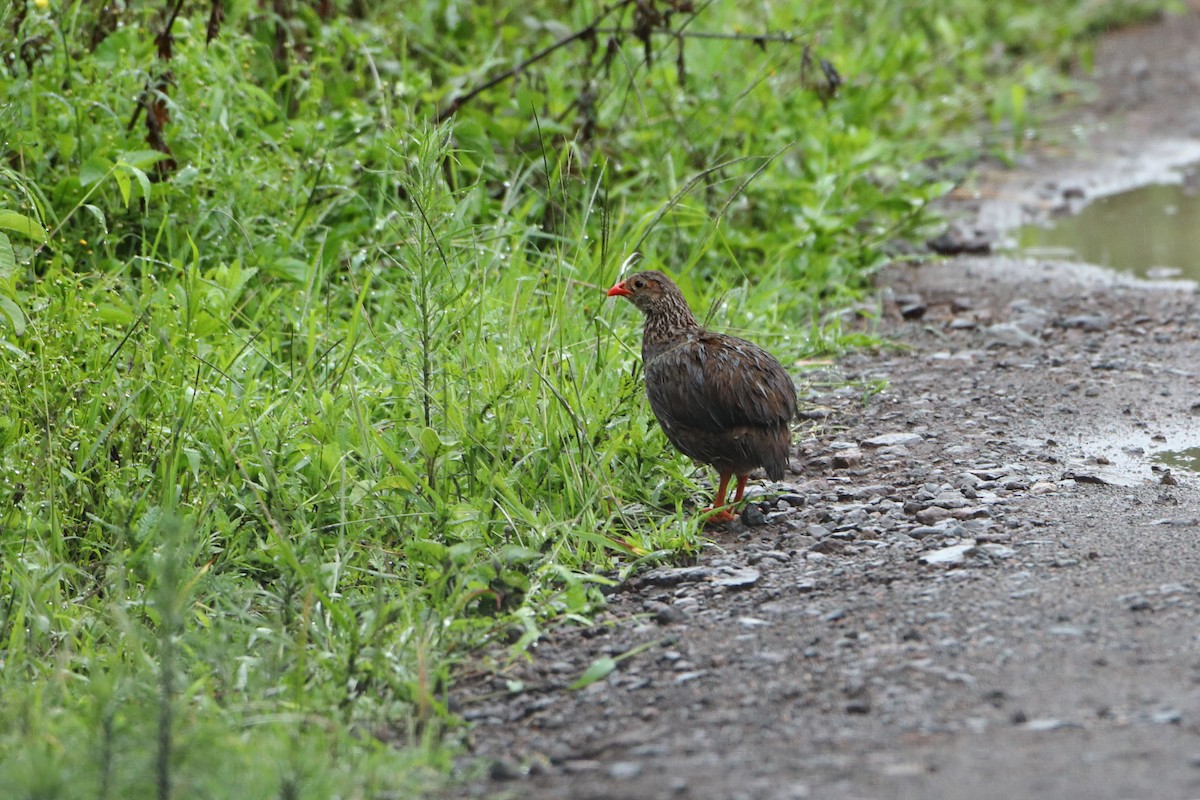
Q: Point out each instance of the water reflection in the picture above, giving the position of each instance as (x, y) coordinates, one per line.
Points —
(1179, 459)
(1153, 232)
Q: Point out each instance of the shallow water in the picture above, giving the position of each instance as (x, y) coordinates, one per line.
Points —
(1188, 459)
(1140, 453)
(1152, 232)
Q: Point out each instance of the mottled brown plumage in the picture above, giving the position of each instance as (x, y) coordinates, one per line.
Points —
(719, 399)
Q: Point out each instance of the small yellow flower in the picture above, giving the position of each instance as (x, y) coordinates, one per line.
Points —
(41, 5)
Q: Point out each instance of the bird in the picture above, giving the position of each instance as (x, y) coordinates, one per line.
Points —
(719, 399)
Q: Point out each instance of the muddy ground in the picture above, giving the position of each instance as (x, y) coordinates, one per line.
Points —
(982, 585)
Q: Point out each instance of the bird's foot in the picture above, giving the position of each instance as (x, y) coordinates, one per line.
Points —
(721, 517)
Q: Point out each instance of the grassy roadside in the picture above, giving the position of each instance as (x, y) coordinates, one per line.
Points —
(299, 417)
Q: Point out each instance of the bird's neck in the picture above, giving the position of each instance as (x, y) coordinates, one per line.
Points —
(666, 328)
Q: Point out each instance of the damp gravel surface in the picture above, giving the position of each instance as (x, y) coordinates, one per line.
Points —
(978, 583)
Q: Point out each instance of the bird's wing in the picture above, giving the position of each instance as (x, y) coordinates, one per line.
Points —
(716, 381)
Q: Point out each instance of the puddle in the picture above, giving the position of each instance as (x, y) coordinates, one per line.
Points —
(1153, 232)
(1141, 454)
(1186, 460)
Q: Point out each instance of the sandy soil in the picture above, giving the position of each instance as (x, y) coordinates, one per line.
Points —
(981, 586)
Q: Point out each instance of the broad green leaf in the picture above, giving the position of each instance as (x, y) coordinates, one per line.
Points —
(13, 312)
(124, 184)
(118, 314)
(426, 551)
(404, 483)
(98, 214)
(431, 443)
(26, 226)
(143, 158)
(142, 178)
(462, 552)
(94, 169)
(515, 554)
(8, 260)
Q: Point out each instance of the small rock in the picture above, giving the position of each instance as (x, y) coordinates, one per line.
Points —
(954, 554)
(1027, 316)
(665, 614)
(997, 550)
(958, 238)
(1104, 477)
(624, 770)
(1088, 322)
(1138, 603)
(1008, 334)
(827, 545)
(846, 459)
(928, 516)
(893, 439)
(503, 769)
(738, 578)
(688, 677)
(671, 576)
(1049, 724)
(922, 531)
(1065, 630)
(859, 705)
(1167, 716)
(753, 516)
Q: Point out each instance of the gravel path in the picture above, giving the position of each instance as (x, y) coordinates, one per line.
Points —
(980, 584)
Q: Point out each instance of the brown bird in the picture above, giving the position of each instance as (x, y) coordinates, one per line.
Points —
(719, 399)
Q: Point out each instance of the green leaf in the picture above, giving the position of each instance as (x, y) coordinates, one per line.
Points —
(516, 554)
(13, 312)
(8, 260)
(124, 184)
(115, 313)
(26, 226)
(431, 443)
(93, 170)
(98, 214)
(599, 669)
(141, 159)
(404, 483)
(142, 178)
(426, 551)
(462, 552)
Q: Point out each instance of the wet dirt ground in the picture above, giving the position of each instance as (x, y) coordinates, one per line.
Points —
(981, 585)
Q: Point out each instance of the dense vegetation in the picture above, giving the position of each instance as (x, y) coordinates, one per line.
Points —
(309, 391)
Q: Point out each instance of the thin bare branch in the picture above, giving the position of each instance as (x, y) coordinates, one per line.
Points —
(585, 32)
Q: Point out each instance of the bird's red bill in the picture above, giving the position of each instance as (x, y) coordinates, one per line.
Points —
(619, 290)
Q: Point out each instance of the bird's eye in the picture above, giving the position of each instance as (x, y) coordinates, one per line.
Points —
(639, 284)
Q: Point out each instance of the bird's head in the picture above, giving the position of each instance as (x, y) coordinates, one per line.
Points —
(650, 291)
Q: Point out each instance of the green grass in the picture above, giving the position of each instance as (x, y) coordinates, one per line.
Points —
(292, 431)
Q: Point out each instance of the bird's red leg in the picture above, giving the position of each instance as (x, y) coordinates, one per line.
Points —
(741, 488)
(719, 500)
